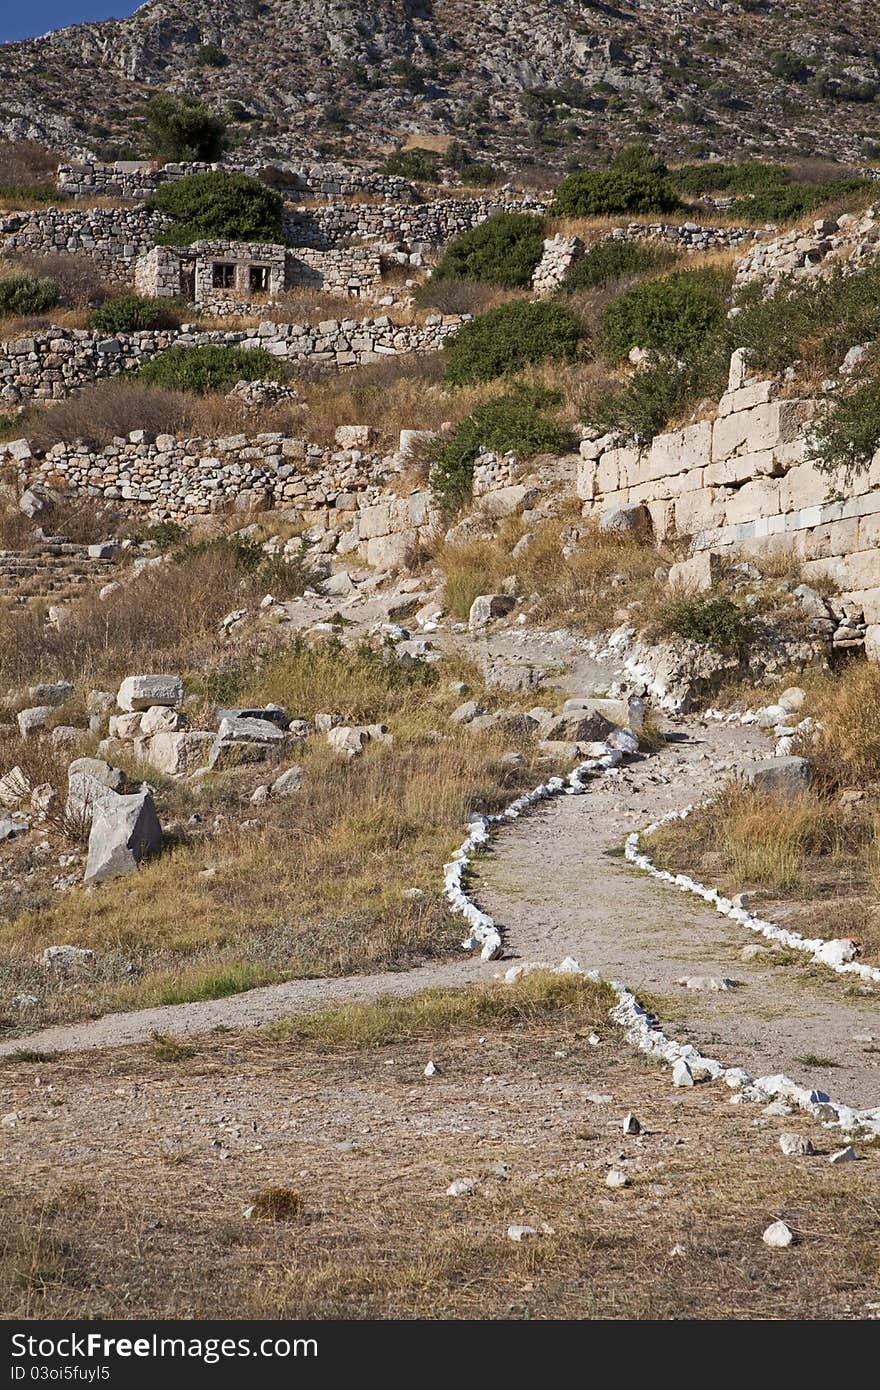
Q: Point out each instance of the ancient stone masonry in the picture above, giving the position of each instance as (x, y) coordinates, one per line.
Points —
(559, 255)
(340, 493)
(687, 236)
(421, 226)
(744, 483)
(847, 243)
(48, 364)
(137, 179)
(113, 238)
(209, 272)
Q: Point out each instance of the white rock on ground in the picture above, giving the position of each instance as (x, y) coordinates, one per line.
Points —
(140, 692)
(521, 1233)
(461, 1187)
(616, 1178)
(682, 1074)
(778, 1236)
(793, 1145)
(124, 830)
(631, 1125)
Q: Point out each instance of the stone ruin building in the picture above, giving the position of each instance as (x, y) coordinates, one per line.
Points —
(214, 273)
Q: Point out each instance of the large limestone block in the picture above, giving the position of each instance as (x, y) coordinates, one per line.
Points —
(509, 501)
(746, 397)
(759, 498)
(626, 521)
(375, 521)
(803, 486)
(124, 830)
(762, 427)
(696, 575)
(175, 753)
(680, 450)
(837, 538)
(586, 485)
(390, 552)
(698, 511)
(782, 777)
(486, 607)
(140, 692)
(872, 642)
(90, 780)
(742, 468)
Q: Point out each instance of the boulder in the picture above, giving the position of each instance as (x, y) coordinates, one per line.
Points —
(272, 714)
(486, 607)
(63, 957)
(348, 740)
(580, 726)
(782, 777)
(51, 692)
(161, 719)
(466, 712)
(288, 782)
(175, 752)
(124, 830)
(124, 726)
(626, 521)
(140, 692)
(90, 780)
(31, 721)
(243, 740)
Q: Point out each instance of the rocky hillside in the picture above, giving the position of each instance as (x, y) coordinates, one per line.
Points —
(545, 82)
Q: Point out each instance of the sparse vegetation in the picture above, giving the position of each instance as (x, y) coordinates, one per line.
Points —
(613, 192)
(27, 294)
(128, 313)
(713, 622)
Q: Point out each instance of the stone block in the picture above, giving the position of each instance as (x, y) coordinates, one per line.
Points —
(782, 777)
(759, 498)
(140, 692)
(176, 753)
(696, 575)
(680, 450)
(762, 427)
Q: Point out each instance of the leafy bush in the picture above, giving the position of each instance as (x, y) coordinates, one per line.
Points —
(520, 421)
(749, 176)
(218, 204)
(783, 203)
(503, 251)
(511, 337)
(644, 403)
(179, 128)
(212, 56)
(713, 622)
(639, 158)
(27, 294)
(418, 164)
(127, 313)
(592, 193)
(615, 260)
(846, 432)
(671, 314)
(209, 368)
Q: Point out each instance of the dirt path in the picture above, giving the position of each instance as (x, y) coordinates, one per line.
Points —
(557, 882)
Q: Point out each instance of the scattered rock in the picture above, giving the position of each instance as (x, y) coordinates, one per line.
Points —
(486, 607)
(631, 1125)
(432, 1069)
(520, 1233)
(794, 1145)
(461, 1187)
(65, 957)
(846, 1155)
(140, 692)
(783, 777)
(778, 1236)
(616, 1178)
(682, 1074)
(124, 830)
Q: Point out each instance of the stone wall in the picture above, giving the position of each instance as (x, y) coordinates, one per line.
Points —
(342, 494)
(113, 238)
(743, 483)
(687, 236)
(137, 179)
(420, 226)
(48, 364)
(847, 243)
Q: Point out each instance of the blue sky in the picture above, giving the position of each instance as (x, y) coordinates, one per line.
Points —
(19, 21)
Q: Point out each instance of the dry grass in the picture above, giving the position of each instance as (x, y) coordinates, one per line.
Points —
(850, 712)
(575, 586)
(137, 1219)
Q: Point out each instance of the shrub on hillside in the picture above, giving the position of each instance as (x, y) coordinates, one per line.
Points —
(846, 432)
(644, 403)
(713, 622)
(27, 294)
(179, 128)
(669, 315)
(639, 158)
(511, 337)
(612, 260)
(607, 193)
(420, 165)
(503, 251)
(209, 368)
(522, 422)
(218, 204)
(127, 313)
(785, 202)
(749, 176)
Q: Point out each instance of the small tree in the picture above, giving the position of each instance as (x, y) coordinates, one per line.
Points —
(182, 129)
(218, 204)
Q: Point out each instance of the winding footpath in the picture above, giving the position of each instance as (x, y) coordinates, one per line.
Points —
(556, 880)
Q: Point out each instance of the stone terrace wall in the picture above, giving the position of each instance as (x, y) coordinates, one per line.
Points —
(49, 364)
(688, 236)
(137, 179)
(113, 237)
(420, 225)
(340, 493)
(743, 483)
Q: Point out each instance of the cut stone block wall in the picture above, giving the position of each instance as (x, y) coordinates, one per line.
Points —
(744, 482)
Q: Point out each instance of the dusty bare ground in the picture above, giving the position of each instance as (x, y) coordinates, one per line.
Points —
(127, 1177)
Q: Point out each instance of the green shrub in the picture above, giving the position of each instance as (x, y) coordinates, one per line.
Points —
(616, 260)
(669, 315)
(593, 193)
(644, 403)
(165, 535)
(749, 176)
(846, 432)
(511, 337)
(209, 368)
(28, 294)
(784, 203)
(503, 251)
(639, 158)
(423, 166)
(126, 313)
(521, 422)
(713, 622)
(212, 57)
(218, 205)
(179, 128)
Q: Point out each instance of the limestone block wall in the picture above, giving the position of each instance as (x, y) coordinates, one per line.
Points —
(743, 482)
(419, 225)
(49, 364)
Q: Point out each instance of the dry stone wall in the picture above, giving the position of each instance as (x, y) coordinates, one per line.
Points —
(49, 364)
(113, 238)
(425, 226)
(744, 483)
(137, 179)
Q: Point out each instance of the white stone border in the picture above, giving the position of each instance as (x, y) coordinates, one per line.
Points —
(640, 1028)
